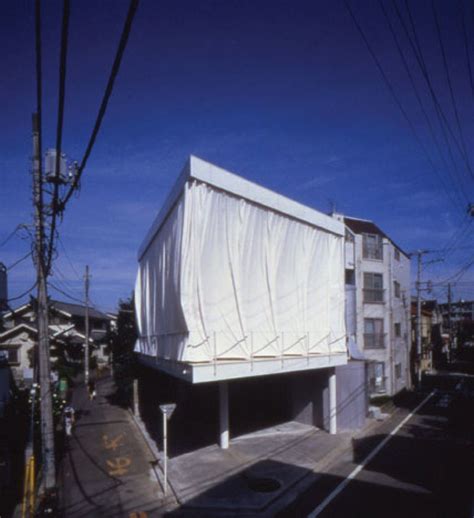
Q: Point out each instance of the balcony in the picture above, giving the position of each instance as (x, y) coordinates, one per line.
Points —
(372, 252)
(374, 295)
(374, 340)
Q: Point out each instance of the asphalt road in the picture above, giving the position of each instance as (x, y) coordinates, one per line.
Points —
(106, 470)
(425, 470)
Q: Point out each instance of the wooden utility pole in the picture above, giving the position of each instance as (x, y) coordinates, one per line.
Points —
(46, 406)
(86, 345)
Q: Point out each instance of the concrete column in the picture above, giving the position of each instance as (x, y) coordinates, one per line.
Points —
(224, 414)
(332, 403)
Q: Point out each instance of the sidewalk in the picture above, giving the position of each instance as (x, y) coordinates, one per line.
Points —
(256, 475)
(107, 468)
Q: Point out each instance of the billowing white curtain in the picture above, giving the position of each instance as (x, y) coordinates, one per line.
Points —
(225, 278)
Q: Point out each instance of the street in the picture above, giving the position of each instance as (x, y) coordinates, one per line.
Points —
(106, 470)
(423, 470)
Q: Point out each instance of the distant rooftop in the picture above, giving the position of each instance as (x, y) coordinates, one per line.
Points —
(77, 310)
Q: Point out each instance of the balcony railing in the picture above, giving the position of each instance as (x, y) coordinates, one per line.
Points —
(374, 295)
(372, 252)
(374, 341)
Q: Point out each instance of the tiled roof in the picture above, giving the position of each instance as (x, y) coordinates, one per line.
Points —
(78, 310)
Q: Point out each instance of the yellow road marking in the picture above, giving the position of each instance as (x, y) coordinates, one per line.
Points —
(118, 465)
(112, 443)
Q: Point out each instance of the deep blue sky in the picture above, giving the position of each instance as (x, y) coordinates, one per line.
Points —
(283, 93)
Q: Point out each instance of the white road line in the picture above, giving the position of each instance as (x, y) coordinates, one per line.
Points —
(361, 466)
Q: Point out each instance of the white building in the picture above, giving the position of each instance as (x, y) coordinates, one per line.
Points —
(237, 282)
(378, 304)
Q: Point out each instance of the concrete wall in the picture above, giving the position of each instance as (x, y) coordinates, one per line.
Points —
(310, 397)
(393, 310)
(352, 398)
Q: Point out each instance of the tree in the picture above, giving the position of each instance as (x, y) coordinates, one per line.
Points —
(122, 343)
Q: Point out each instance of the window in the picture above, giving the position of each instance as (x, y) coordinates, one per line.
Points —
(372, 246)
(398, 370)
(396, 289)
(398, 329)
(374, 337)
(350, 277)
(376, 377)
(14, 356)
(373, 288)
(396, 254)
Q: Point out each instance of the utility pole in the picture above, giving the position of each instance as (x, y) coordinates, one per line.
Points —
(419, 254)
(449, 321)
(47, 426)
(86, 345)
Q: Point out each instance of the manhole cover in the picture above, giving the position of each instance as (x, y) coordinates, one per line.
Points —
(263, 485)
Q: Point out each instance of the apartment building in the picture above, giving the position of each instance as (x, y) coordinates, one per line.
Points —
(378, 304)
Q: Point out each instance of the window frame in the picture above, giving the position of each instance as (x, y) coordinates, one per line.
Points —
(370, 288)
(396, 289)
(372, 250)
(397, 329)
(374, 339)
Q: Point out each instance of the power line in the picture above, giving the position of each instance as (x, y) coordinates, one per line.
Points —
(105, 100)
(422, 107)
(418, 53)
(390, 87)
(24, 293)
(450, 86)
(458, 275)
(59, 290)
(466, 45)
(19, 260)
(59, 129)
(68, 258)
(12, 233)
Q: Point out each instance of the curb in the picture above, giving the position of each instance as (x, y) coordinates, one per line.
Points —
(169, 500)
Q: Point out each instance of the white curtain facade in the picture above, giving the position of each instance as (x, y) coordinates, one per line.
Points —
(227, 279)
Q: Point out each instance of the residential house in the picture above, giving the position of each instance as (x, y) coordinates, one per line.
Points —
(378, 304)
(66, 332)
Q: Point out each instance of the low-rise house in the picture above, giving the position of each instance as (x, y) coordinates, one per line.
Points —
(66, 332)
(431, 333)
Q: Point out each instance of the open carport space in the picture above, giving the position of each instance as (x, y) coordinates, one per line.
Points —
(253, 404)
(254, 473)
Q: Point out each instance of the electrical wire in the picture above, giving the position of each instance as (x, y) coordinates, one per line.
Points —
(69, 259)
(59, 290)
(59, 129)
(390, 87)
(105, 100)
(19, 261)
(447, 190)
(418, 53)
(12, 233)
(450, 87)
(24, 293)
(466, 44)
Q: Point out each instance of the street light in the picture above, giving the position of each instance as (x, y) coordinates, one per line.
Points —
(167, 411)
